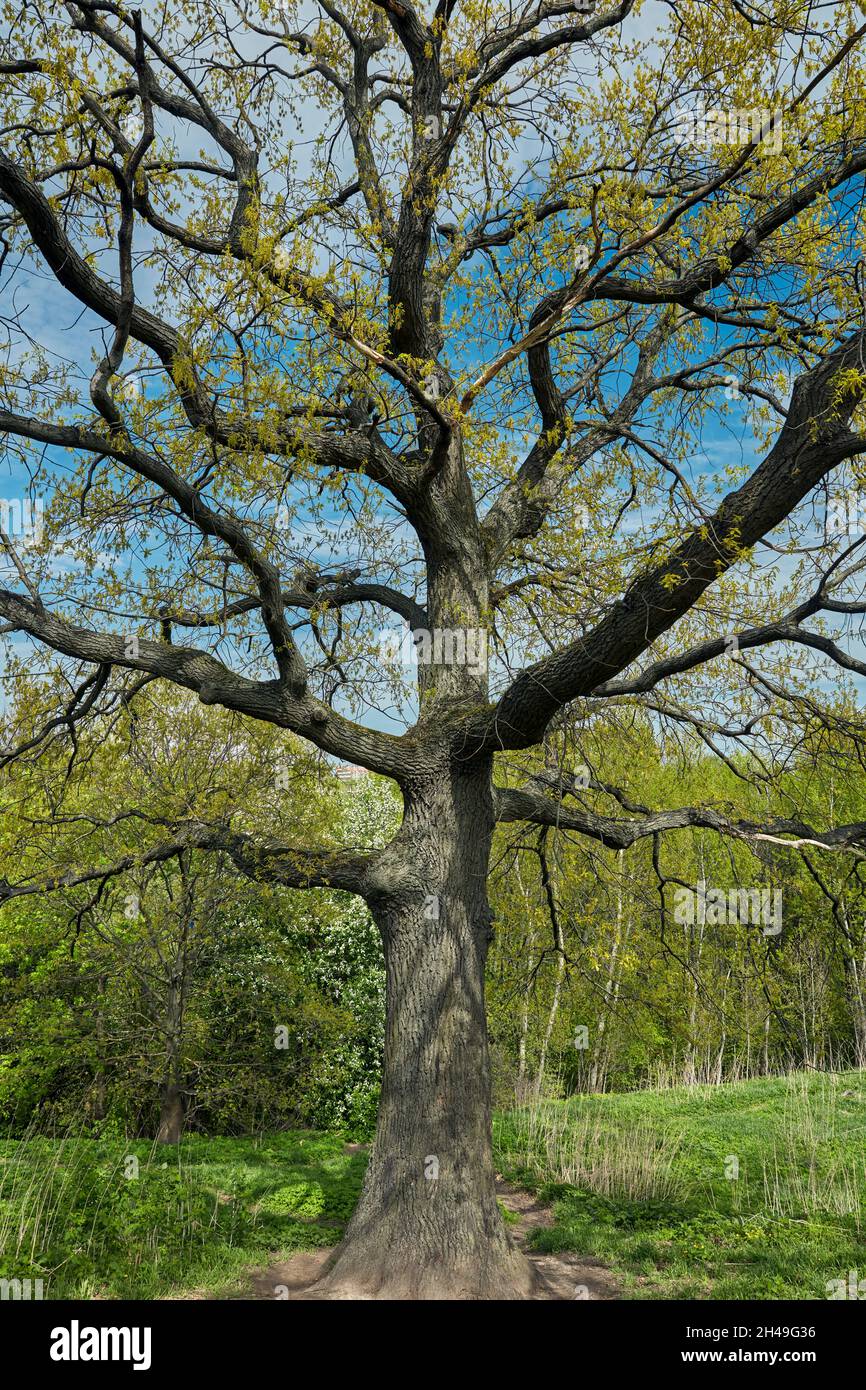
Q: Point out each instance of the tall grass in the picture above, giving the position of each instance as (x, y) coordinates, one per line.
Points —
(582, 1148)
(73, 1212)
(808, 1171)
(800, 1140)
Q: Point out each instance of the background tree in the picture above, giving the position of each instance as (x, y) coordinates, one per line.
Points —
(439, 316)
(588, 936)
(146, 994)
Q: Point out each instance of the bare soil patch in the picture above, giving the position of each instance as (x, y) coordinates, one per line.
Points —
(564, 1275)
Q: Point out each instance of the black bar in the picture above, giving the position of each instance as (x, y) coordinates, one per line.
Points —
(250, 1339)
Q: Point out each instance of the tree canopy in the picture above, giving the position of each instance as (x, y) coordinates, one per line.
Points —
(535, 332)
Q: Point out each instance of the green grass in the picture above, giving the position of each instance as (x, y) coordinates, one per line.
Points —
(195, 1216)
(639, 1180)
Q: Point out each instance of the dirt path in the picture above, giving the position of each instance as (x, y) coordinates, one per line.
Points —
(560, 1276)
(565, 1274)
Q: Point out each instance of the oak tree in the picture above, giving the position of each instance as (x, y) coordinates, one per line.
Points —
(533, 330)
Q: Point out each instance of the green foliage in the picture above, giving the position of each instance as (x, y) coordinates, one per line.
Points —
(194, 954)
(662, 1002)
(195, 1214)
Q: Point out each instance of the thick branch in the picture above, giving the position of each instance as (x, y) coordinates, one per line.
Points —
(615, 832)
(215, 684)
(814, 439)
(265, 861)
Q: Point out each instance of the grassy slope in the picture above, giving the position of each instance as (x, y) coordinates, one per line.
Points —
(196, 1216)
(786, 1225)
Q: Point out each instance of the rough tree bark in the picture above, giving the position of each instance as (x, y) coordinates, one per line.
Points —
(428, 1224)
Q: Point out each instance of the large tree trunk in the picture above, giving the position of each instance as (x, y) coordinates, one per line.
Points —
(427, 1224)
